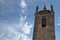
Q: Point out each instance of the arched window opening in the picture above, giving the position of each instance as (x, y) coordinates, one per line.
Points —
(43, 22)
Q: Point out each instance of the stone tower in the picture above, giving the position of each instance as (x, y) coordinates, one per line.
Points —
(44, 24)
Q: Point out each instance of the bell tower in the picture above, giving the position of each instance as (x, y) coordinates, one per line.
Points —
(44, 24)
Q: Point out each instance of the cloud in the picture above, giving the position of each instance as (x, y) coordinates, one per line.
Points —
(1, 35)
(14, 31)
(23, 5)
(23, 18)
(27, 28)
(25, 37)
(13, 34)
(9, 33)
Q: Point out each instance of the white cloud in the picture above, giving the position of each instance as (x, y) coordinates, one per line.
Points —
(23, 5)
(27, 28)
(12, 33)
(25, 37)
(23, 18)
(9, 32)
(22, 21)
(1, 35)
(23, 10)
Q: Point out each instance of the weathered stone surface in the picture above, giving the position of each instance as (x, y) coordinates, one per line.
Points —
(44, 33)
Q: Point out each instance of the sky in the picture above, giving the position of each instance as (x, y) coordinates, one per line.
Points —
(17, 18)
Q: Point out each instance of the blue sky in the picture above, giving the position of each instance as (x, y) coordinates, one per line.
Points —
(17, 18)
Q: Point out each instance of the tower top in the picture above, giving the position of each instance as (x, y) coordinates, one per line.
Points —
(44, 6)
(51, 7)
(36, 8)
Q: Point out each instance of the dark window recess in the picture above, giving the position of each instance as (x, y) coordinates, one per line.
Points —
(43, 22)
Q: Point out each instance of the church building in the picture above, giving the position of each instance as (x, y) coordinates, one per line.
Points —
(44, 24)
